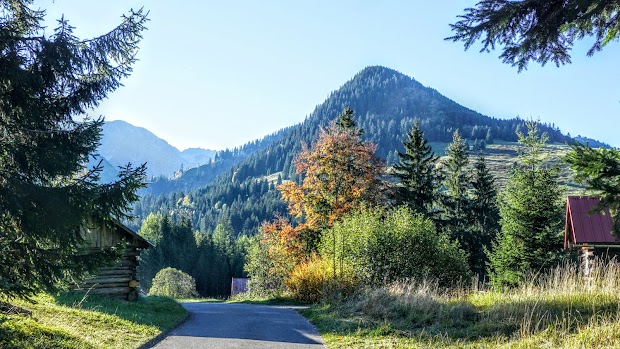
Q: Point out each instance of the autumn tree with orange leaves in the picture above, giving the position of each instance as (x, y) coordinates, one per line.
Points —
(340, 174)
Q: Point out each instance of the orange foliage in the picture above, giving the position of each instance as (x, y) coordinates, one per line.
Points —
(340, 174)
(284, 240)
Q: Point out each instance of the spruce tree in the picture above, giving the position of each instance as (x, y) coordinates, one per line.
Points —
(346, 122)
(539, 31)
(417, 173)
(485, 214)
(531, 210)
(47, 85)
(224, 242)
(598, 169)
(456, 203)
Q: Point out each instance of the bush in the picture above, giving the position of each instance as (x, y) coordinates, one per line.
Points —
(173, 283)
(315, 280)
(266, 266)
(397, 245)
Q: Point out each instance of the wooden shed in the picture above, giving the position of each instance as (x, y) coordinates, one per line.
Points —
(589, 234)
(118, 280)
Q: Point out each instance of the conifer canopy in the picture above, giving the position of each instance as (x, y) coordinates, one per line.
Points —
(47, 85)
(539, 30)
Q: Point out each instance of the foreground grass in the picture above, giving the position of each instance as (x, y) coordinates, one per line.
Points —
(73, 321)
(561, 310)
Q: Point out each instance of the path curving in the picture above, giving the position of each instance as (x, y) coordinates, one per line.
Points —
(247, 326)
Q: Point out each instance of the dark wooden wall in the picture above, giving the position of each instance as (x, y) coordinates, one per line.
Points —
(118, 280)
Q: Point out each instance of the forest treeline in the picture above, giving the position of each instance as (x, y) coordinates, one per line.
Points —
(386, 103)
(348, 220)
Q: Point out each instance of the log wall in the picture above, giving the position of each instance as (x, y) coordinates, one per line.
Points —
(118, 280)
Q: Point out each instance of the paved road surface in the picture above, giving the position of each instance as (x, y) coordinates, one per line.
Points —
(223, 326)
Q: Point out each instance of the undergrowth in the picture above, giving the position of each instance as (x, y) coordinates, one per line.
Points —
(559, 309)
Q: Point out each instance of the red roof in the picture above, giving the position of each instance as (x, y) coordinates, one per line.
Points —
(583, 228)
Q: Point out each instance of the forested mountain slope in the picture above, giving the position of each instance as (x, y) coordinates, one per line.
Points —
(385, 102)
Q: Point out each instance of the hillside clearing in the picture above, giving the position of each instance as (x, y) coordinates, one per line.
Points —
(72, 321)
(501, 156)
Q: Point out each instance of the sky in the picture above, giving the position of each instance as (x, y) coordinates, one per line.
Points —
(216, 74)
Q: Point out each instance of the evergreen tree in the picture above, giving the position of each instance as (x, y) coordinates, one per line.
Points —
(599, 170)
(199, 255)
(485, 214)
(539, 31)
(417, 173)
(346, 122)
(224, 237)
(152, 259)
(456, 203)
(47, 85)
(531, 210)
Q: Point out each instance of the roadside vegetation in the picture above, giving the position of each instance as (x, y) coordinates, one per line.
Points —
(394, 269)
(76, 321)
(559, 309)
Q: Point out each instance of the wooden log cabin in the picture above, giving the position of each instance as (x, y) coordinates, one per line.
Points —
(118, 280)
(587, 234)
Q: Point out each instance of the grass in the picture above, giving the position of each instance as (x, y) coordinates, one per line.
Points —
(558, 310)
(74, 321)
(501, 156)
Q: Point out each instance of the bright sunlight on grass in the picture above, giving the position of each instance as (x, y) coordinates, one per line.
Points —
(559, 310)
(71, 321)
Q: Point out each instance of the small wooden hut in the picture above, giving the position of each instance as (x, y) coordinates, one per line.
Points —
(589, 234)
(238, 286)
(118, 280)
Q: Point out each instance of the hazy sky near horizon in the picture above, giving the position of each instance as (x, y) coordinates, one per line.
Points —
(216, 74)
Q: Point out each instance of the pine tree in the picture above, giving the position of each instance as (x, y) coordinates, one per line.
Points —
(531, 210)
(456, 203)
(47, 84)
(539, 31)
(417, 173)
(485, 214)
(346, 122)
(598, 169)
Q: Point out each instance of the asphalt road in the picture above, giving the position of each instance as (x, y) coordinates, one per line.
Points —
(225, 325)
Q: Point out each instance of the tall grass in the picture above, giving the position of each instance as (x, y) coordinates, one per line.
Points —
(558, 308)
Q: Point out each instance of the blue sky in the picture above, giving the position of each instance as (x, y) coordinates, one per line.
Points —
(215, 74)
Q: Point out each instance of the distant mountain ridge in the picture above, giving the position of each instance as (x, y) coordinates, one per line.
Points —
(386, 103)
(123, 142)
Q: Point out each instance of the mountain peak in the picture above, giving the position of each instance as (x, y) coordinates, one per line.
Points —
(123, 142)
(378, 69)
(380, 73)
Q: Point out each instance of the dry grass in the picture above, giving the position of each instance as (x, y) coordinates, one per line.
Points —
(558, 309)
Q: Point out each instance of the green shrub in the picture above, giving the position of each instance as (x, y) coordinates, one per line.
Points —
(314, 280)
(397, 245)
(173, 283)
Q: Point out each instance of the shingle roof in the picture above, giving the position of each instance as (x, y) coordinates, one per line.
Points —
(585, 228)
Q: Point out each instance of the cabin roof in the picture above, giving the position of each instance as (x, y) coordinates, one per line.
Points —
(583, 228)
(144, 242)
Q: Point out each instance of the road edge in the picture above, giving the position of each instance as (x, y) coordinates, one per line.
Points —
(155, 340)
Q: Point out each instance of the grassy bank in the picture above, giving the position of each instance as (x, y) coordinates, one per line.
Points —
(558, 310)
(73, 321)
